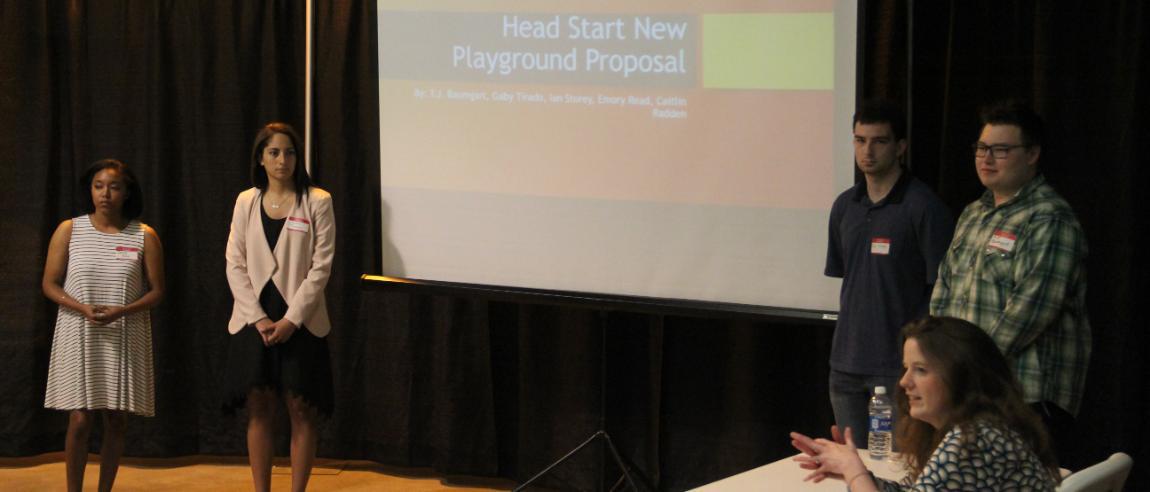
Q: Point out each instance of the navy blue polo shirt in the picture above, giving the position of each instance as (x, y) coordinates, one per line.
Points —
(887, 254)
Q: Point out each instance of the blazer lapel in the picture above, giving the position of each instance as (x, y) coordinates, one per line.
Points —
(284, 250)
(260, 237)
(283, 230)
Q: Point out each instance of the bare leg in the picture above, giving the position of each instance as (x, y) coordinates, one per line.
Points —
(304, 436)
(115, 425)
(261, 446)
(76, 447)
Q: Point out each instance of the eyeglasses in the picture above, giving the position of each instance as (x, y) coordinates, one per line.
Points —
(998, 151)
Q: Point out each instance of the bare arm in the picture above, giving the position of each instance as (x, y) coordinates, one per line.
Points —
(55, 266)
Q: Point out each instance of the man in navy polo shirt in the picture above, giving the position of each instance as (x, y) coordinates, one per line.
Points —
(887, 236)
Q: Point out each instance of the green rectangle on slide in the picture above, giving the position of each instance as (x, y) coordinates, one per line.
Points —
(769, 51)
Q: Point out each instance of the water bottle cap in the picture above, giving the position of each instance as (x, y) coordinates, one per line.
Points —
(880, 390)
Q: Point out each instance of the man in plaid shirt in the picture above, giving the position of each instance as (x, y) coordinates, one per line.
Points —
(1017, 268)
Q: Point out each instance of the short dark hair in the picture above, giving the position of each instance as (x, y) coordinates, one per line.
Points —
(299, 175)
(1018, 113)
(981, 385)
(873, 111)
(133, 204)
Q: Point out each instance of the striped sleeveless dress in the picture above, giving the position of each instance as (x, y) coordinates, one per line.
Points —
(103, 366)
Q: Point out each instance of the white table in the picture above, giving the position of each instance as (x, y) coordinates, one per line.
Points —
(785, 474)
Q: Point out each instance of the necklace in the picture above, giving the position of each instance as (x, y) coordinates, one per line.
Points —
(276, 204)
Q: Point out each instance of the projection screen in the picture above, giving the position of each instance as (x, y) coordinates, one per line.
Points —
(670, 149)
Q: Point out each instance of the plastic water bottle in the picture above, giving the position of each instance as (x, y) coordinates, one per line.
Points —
(879, 434)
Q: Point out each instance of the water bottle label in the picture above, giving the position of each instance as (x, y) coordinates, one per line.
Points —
(880, 423)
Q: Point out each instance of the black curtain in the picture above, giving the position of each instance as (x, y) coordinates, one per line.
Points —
(176, 90)
(471, 385)
(493, 387)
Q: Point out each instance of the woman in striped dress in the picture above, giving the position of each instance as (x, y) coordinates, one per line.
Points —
(106, 270)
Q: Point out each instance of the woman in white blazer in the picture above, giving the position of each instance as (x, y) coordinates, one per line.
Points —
(279, 257)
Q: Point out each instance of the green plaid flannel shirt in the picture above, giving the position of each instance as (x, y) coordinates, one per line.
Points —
(1018, 271)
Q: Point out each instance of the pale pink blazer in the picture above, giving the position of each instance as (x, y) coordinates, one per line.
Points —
(299, 267)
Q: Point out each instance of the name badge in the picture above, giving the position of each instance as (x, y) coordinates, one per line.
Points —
(1002, 241)
(126, 253)
(298, 224)
(880, 246)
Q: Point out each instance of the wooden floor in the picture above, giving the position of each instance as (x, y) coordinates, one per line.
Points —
(215, 473)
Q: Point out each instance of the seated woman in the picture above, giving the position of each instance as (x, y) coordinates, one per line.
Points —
(969, 428)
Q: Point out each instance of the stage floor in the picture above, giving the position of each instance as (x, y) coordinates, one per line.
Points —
(218, 473)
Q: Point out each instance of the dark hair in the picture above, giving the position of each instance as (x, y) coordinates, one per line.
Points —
(300, 178)
(873, 111)
(1017, 113)
(133, 203)
(981, 386)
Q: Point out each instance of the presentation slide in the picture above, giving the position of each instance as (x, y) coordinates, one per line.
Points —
(671, 149)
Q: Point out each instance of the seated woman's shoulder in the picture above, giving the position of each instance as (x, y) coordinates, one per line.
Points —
(984, 455)
(991, 432)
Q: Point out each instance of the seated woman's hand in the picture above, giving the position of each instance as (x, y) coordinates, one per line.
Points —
(828, 458)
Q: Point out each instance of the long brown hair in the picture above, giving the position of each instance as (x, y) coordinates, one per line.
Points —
(981, 387)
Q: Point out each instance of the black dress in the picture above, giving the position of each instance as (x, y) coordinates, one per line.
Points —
(299, 367)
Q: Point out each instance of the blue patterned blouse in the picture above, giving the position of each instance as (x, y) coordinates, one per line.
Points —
(996, 459)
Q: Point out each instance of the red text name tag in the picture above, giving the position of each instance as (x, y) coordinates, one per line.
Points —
(880, 246)
(1002, 241)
